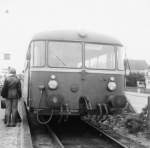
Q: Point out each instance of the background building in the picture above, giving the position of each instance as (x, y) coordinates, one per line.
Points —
(138, 66)
(147, 78)
(136, 71)
(5, 61)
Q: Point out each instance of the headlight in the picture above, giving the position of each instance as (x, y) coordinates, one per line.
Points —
(112, 86)
(53, 84)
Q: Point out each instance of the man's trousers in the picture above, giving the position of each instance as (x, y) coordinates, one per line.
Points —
(11, 111)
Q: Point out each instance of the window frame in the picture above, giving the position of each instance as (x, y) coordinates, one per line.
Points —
(115, 56)
(117, 49)
(65, 42)
(45, 61)
(83, 51)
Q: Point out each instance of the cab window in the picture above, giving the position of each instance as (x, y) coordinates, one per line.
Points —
(99, 56)
(65, 54)
(38, 53)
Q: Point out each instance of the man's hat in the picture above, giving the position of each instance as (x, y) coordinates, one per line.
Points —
(12, 71)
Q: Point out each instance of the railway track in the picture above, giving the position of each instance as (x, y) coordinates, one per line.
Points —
(72, 134)
(36, 136)
(82, 136)
(116, 137)
(44, 137)
(77, 134)
(105, 134)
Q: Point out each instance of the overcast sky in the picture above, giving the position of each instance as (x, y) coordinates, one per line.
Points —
(127, 20)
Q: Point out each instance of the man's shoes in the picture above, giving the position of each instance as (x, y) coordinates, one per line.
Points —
(13, 124)
(4, 120)
(8, 125)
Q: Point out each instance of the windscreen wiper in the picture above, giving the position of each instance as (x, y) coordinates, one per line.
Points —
(60, 60)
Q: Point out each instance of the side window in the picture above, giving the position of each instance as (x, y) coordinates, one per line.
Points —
(38, 53)
(120, 57)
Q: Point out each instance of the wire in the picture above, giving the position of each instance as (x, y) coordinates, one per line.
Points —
(44, 122)
(38, 116)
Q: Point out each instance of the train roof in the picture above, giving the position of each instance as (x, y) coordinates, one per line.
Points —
(76, 36)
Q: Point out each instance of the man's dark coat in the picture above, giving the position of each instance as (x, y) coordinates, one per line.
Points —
(11, 82)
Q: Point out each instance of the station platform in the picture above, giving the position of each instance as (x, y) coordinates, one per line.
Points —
(9, 136)
(137, 100)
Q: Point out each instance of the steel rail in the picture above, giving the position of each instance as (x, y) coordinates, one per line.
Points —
(54, 137)
(104, 133)
(26, 137)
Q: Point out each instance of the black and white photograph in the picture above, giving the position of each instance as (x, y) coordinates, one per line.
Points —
(74, 74)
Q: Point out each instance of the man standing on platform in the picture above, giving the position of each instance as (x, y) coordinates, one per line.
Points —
(12, 92)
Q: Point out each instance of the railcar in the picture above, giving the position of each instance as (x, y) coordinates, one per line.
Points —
(71, 73)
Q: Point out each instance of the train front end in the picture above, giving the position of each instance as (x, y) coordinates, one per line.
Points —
(74, 76)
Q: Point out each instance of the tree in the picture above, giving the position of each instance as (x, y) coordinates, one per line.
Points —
(132, 78)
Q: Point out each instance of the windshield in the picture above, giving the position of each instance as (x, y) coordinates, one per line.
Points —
(120, 57)
(38, 53)
(99, 56)
(65, 54)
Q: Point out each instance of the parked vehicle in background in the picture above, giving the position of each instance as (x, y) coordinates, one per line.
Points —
(141, 84)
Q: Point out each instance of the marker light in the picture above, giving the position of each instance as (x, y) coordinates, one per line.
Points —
(53, 84)
(53, 77)
(55, 100)
(112, 78)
